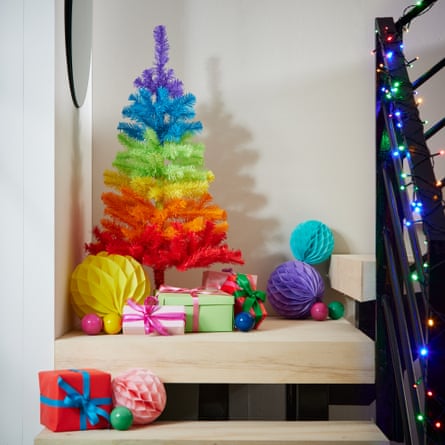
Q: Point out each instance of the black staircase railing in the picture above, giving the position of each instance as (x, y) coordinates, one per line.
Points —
(410, 250)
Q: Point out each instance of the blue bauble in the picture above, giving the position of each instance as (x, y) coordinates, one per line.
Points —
(312, 242)
(244, 321)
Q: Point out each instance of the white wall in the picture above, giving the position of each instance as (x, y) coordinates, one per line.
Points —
(27, 227)
(285, 91)
(46, 203)
(426, 39)
(227, 53)
(73, 160)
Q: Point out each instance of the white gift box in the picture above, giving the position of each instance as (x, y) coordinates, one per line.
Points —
(153, 319)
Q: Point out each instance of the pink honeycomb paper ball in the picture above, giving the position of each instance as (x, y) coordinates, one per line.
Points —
(142, 392)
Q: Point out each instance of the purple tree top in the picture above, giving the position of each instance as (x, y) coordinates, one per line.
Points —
(159, 76)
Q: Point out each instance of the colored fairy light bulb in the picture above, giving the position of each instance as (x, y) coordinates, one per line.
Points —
(414, 276)
(423, 351)
(430, 322)
(437, 424)
(429, 393)
(389, 54)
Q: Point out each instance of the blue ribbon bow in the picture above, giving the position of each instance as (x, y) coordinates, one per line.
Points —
(88, 407)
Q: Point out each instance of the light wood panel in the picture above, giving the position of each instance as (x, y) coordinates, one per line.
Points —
(226, 433)
(281, 351)
(353, 275)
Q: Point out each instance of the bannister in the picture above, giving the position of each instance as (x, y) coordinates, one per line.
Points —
(409, 204)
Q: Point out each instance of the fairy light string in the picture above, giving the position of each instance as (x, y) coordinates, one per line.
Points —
(421, 198)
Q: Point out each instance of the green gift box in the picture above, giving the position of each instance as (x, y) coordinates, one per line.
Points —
(205, 310)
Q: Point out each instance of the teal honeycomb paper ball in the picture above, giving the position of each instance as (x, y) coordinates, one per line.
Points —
(312, 242)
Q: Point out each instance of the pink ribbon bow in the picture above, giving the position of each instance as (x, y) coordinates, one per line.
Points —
(148, 312)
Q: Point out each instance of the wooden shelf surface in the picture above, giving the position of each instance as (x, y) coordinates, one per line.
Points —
(281, 351)
(227, 433)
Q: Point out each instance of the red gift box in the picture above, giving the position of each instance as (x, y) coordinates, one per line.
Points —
(213, 279)
(73, 400)
(247, 297)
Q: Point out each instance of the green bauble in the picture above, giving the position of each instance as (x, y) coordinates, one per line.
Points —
(121, 418)
(336, 310)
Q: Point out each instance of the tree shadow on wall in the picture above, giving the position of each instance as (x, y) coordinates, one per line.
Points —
(229, 156)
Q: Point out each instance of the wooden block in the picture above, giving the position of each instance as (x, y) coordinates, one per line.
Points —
(227, 433)
(281, 351)
(354, 276)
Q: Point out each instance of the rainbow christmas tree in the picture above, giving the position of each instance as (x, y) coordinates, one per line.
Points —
(160, 211)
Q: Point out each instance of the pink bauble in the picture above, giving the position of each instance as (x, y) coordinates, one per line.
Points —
(142, 392)
(91, 324)
(319, 311)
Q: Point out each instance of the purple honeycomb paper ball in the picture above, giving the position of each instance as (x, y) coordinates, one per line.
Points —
(292, 289)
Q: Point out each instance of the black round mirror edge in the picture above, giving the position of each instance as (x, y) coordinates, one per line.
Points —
(69, 49)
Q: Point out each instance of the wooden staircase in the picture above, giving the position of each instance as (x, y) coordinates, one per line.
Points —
(280, 352)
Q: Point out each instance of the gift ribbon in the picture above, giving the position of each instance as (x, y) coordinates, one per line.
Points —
(195, 292)
(73, 399)
(148, 313)
(195, 301)
(252, 296)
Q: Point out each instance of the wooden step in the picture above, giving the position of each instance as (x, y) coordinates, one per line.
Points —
(281, 351)
(353, 275)
(226, 433)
